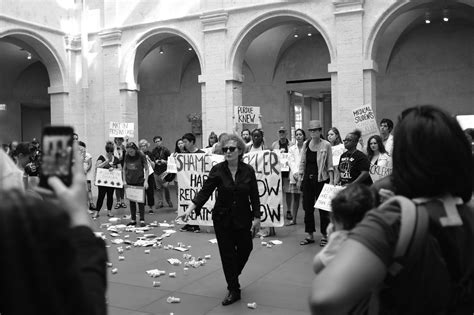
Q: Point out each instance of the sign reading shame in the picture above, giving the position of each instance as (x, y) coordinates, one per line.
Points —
(377, 172)
(326, 196)
(117, 129)
(193, 170)
(364, 119)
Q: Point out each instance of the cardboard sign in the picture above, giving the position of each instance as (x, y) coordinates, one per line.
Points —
(171, 165)
(117, 129)
(326, 195)
(193, 170)
(105, 177)
(135, 193)
(246, 117)
(337, 151)
(284, 165)
(377, 172)
(364, 119)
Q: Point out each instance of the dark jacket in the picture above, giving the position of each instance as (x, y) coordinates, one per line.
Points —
(237, 203)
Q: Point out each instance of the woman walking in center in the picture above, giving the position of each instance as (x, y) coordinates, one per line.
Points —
(315, 170)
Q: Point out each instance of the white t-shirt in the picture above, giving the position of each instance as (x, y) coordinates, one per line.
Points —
(87, 158)
(335, 241)
(388, 144)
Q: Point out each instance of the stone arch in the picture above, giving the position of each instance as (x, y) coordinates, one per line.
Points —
(42, 48)
(146, 42)
(264, 22)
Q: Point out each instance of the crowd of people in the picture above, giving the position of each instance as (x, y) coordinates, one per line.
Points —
(362, 268)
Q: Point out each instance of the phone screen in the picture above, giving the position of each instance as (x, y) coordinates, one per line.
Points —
(56, 158)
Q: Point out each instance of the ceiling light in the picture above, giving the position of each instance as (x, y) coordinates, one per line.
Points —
(190, 49)
(295, 36)
(309, 34)
(427, 18)
(445, 15)
(28, 56)
(161, 51)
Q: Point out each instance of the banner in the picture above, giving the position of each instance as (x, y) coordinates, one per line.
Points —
(377, 172)
(364, 119)
(117, 129)
(135, 193)
(105, 177)
(326, 195)
(193, 170)
(246, 117)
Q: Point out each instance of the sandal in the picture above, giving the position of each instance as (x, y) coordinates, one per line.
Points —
(290, 223)
(95, 215)
(117, 205)
(123, 205)
(289, 216)
(306, 241)
(323, 241)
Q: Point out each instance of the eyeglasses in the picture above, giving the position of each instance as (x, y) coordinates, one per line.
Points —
(230, 149)
(281, 131)
(313, 130)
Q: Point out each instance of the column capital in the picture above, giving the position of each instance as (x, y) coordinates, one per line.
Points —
(348, 6)
(126, 86)
(370, 65)
(58, 90)
(73, 42)
(214, 21)
(236, 77)
(110, 37)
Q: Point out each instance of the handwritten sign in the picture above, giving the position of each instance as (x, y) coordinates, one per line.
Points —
(246, 117)
(105, 177)
(364, 119)
(171, 165)
(337, 151)
(377, 172)
(193, 170)
(117, 129)
(135, 193)
(326, 195)
(284, 164)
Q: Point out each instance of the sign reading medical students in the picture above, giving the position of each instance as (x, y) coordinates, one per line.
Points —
(118, 129)
(246, 117)
(364, 119)
(193, 170)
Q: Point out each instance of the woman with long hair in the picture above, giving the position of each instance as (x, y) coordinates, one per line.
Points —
(294, 158)
(334, 138)
(378, 157)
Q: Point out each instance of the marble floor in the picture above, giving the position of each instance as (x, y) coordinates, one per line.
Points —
(277, 279)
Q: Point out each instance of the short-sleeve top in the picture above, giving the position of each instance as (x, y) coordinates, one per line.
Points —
(351, 165)
(114, 163)
(134, 169)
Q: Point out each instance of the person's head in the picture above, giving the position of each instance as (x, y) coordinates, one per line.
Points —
(179, 146)
(375, 145)
(351, 140)
(143, 145)
(300, 135)
(189, 140)
(257, 137)
(245, 134)
(109, 148)
(13, 145)
(118, 141)
(232, 146)
(23, 153)
(315, 129)
(350, 205)
(158, 140)
(82, 148)
(282, 132)
(131, 148)
(212, 139)
(35, 143)
(386, 127)
(40, 266)
(75, 136)
(334, 137)
(431, 155)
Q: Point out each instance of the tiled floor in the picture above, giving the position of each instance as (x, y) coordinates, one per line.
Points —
(278, 279)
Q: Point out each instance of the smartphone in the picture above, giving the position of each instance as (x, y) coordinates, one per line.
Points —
(56, 155)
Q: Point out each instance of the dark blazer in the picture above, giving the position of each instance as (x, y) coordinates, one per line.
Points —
(238, 202)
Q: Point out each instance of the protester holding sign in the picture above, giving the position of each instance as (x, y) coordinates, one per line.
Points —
(334, 138)
(294, 159)
(110, 162)
(119, 152)
(236, 213)
(380, 161)
(135, 170)
(144, 146)
(437, 276)
(282, 145)
(354, 165)
(315, 170)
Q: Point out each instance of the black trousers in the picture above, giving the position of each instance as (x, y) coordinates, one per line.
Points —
(109, 191)
(311, 190)
(150, 192)
(235, 246)
(133, 210)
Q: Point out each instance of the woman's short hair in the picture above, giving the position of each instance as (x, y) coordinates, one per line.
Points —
(109, 147)
(338, 135)
(238, 140)
(351, 204)
(431, 155)
(381, 147)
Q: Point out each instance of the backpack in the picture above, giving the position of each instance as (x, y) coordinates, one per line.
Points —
(445, 245)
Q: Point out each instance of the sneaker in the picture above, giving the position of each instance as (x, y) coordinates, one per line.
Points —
(95, 215)
(195, 229)
(91, 212)
(150, 211)
(142, 224)
(185, 228)
(123, 205)
(117, 205)
(131, 223)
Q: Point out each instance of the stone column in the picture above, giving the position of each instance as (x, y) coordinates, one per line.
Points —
(347, 77)
(129, 104)
(370, 77)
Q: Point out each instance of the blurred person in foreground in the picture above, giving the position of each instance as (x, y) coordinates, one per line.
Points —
(51, 263)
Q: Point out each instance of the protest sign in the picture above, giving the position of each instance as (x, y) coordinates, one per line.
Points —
(171, 165)
(135, 193)
(364, 119)
(117, 129)
(377, 172)
(105, 177)
(193, 170)
(246, 117)
(337, 151)
(326, 195)
(284, 164)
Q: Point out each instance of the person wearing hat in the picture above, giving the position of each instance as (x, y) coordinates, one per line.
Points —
(316, 169)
